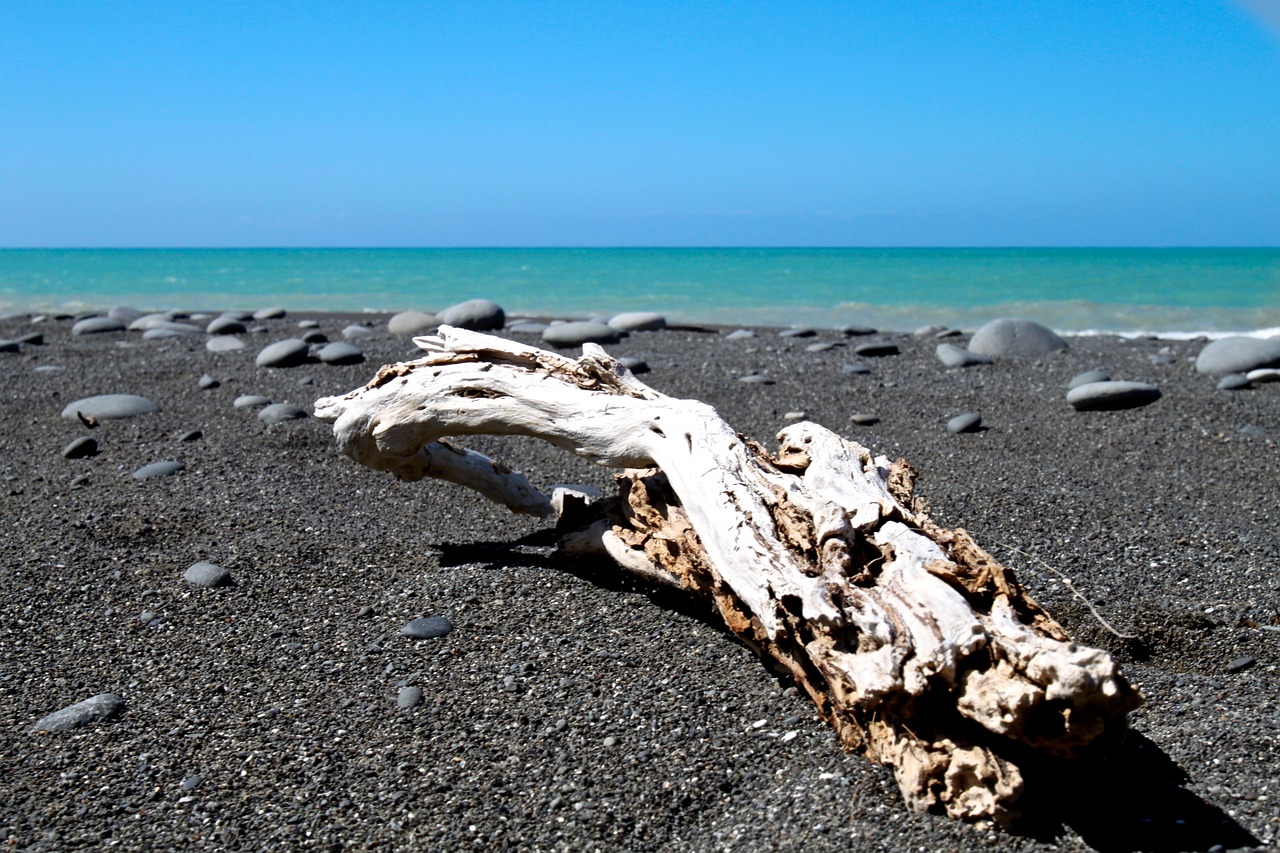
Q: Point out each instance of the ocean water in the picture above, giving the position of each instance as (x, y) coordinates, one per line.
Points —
(1165, 291)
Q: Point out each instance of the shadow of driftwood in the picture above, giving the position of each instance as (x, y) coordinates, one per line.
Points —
(1132, 799)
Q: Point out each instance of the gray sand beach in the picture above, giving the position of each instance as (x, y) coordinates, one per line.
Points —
(279, 704)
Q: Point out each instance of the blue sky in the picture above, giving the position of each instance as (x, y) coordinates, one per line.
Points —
(645, 123)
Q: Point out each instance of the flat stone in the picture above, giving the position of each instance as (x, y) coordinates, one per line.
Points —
(755, 379)
(315, 336)
(638, 321)
(163, 334)
(7, 345)
(146, 321)
(224, 343)
(341, 353)
(579, 332)
(125, 313)
(97, 709)
(207, 575)
(290, 352)
(953, 356)
(1238, 354)
(280, 412)
(81, 448)
(166, 468)
(98, 325)
(208, 382)
(855, 369)
(1014, 337)
(411, 323)
(308, 324)
(823, 346)
(1263, 375)
(740, 334)
(876, 349)
(1112, 395)
(106, 407)
(167, 329)
(793, 417)
(356, 333)
(864, 418)
(191, 435)
(427, 627)
(251, 401)
(801, 332)
(225, 325)
(409, 697)
(1087, 377)
(968, 422)
(478, 315)
(856, 331)
(271, 313)
(635, 365)
(1234, 382)
(1240, 664)
(527, 327)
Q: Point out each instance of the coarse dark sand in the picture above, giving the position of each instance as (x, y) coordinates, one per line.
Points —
(571, 707)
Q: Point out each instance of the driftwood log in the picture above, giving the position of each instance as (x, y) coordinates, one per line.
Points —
(915, 645)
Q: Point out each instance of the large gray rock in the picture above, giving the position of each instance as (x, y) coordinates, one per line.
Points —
(580, 332)
(104, 706)
(1109, 396)
(409, 323)
(287, 353)
(478, 315)
(1007, 337)
(638, 321)
(1238, 355)
(98, 325)
(109, 407)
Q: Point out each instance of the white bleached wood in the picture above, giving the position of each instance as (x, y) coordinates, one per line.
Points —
(817, 555)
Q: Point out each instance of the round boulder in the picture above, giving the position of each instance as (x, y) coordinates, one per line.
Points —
(1112, 395)
(1238, 355)
(478, 315)
(406, 324)
(580, 332)
(1015, 337)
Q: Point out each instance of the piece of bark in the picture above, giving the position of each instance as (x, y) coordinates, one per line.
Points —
(916, 645)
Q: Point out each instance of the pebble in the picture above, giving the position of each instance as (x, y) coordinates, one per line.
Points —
(98, 325)
(427, 627)
(638, 321)
(802, 332)
(315, 336)
(755, 379)
(610, 742)
(341, 353)
(207, 382)
(110, 406)
(409, 697)
(856, 331)
(356, 333)
(823, 346)
(290, 352)
(281, 412)
(864, 418)
(1240, 664)
(1111, 395)
(739, 334)
(968, 422)
(158, 469)
(224, 343)
(160, 329)
(410, 323)
(1087, 377)
(580, 332)
(102, 707)
(9, 346)
(191, 435)
(207, 575)
(1234, 382)
(527, 327)
(225, 325)
(1238, 354)
(272, 313)
(1253, 431)
(190, 783)
(251, 401)
(953, 356)
(876, 349)
(792, 417)
(308, 324)
(855, 369)
(1006, 337)
(478, 315)
(125, 313)
(635, 365)
(81, 448)
(1263, 375)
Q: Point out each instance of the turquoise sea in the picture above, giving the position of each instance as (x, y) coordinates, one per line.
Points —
(1169, 291)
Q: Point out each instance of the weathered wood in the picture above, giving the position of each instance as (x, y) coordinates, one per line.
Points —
(916, 645)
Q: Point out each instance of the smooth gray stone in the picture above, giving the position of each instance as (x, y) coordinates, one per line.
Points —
(190, 783)
(797, 333)
(341, 353)
(635, 365)
(409, 697)
(478, 315)
(580, 332)
(125, 313)
(9, 346)
(855, 331)
(158, 469)
(191, 435)
(855, 369)
(162, 334)
(356, 333)
(739, 334)
(290, 352)
(1238, 355)
(527, 327)
(280, 412)
(97, 709)
(1263, 375)
(824, 346)
(928, 331)
(638, 321)
(81, 448)
(968, 422)
(225, 326)
(207, 382)
(1015, 337)
(163, 329)
(223, 343)
(864, 418)
(1110, 396)
(411, 323)
(1234, 382)
(251, 401)
(877, 349)
(98, 325)
(145, 321)
(1087, 377)
(206, 575)
(107, 407)
(953, 356)
(428, 627)
(755, 379)
(50, 368)
(308, 324)
(315, 336)
(240, 316)
(272, 313)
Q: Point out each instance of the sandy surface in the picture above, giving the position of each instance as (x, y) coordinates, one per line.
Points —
(572, 708)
